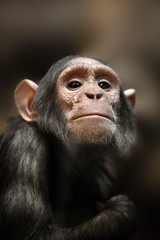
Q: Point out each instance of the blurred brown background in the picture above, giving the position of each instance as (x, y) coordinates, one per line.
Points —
(125, 33)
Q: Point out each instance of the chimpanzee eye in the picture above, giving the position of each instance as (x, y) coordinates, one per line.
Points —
(74, 84)
(104, 85)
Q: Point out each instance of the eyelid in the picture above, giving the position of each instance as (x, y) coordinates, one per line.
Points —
(104, 80)
(74, 79)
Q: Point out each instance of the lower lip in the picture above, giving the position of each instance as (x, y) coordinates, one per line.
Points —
(93, 116)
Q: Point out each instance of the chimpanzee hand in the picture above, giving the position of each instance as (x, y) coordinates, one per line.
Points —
(116, 220)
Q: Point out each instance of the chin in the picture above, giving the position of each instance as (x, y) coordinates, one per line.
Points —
(95, 133)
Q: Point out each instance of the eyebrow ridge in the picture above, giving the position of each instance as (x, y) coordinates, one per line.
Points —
(78, 70)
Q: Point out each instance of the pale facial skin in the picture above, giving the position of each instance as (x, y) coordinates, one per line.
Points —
(86, 94)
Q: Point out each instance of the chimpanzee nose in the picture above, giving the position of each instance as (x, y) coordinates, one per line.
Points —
(92, 95)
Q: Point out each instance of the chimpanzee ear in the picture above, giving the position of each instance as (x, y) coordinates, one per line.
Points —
(131, 96)
(24, 95)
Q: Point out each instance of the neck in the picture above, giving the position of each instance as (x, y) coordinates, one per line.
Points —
(82, 177)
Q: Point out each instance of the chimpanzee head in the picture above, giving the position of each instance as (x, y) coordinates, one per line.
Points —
(80, 100)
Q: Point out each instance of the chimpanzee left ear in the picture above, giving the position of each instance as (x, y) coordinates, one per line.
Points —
(131, 96)
(24, 95)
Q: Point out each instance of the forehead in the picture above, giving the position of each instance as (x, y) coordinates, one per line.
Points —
(85, 61)
(86, 66)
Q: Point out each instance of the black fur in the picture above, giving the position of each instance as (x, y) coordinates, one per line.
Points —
(47, 193)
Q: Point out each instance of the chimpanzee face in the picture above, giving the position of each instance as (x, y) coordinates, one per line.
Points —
(87, 93)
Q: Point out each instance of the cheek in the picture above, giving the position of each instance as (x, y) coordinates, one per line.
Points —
(64, 101)
(69, 107)
(113, 98)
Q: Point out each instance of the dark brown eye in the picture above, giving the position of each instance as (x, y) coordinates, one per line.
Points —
(104, 85)
(74, 84)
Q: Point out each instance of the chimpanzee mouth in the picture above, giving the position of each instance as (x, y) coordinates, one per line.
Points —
(94, 115)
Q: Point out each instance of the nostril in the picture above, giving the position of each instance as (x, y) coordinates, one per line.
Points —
(98, 95)
(90, 95)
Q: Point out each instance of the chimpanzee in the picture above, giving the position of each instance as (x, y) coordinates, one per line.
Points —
(61, 157)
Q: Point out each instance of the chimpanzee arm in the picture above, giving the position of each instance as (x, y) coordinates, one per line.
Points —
(116, 221)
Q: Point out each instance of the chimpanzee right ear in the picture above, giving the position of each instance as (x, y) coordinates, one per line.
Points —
(131, 96)
(24, 95)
